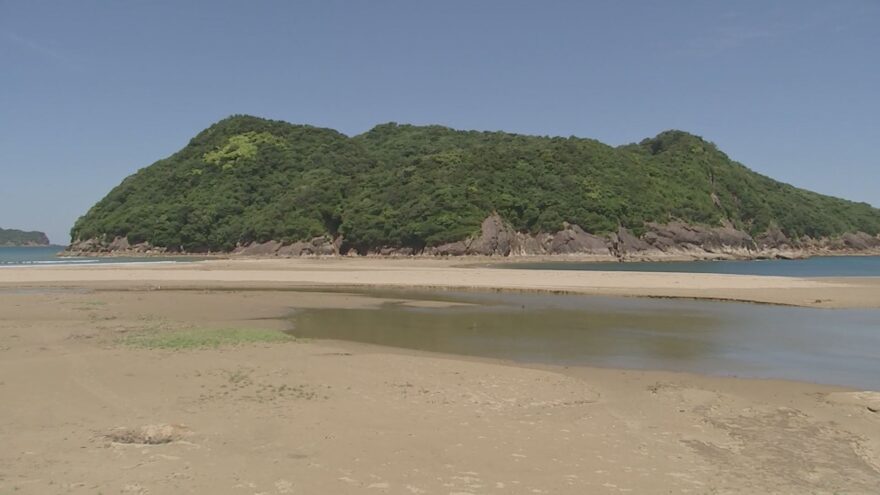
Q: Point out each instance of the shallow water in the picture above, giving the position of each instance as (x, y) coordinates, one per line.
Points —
(820, 266)
(48, 255)
(840, 347)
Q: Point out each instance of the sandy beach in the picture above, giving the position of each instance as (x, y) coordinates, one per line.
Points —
(88, 405)
(448, 274)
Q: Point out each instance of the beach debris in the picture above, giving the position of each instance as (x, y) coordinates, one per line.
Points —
(867, 399)
(148, 434)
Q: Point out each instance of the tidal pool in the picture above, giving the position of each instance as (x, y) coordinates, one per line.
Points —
(840, 347)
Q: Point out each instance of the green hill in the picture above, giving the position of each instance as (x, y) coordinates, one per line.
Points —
(245, 180)
(13, 237)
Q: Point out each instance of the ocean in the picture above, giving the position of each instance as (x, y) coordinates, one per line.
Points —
(48, 255)
(820, 266)
(828, 266)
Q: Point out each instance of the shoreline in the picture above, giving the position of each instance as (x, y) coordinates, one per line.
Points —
(30, 245)
(645, 257)
(833, 292)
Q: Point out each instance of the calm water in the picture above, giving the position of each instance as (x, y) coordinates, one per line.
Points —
(17, 256)
(839, 347)
(830, 266)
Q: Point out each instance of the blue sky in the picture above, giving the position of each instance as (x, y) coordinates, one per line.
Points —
(91, 91)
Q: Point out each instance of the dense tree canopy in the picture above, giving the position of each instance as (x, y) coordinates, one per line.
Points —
(13, 237)
(248, 179)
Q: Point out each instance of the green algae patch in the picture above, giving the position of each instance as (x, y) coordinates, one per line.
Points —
(205, 338)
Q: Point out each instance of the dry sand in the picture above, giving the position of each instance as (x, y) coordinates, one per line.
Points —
(437, 273)
(81, 412)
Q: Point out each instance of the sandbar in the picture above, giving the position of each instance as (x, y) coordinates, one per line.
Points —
(446, 274)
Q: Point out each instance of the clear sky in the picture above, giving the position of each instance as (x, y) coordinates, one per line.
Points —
(91, 91)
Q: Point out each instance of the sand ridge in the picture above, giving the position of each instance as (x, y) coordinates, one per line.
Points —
(445, 274)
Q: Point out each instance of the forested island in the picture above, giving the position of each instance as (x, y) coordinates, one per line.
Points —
(20, 238)
(260, 186)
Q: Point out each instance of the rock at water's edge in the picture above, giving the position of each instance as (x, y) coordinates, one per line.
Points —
(497, 238)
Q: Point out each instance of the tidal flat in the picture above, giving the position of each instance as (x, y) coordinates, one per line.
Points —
(85, 412)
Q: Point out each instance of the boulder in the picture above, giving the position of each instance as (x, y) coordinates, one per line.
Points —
(269, 248)
(728, 236)
(119, 244)
(395, 251)
(450, 249)
(317, 246)
(624, 242)
(495, 238)
(573, 239)
(527, 244)
(773, 238)
(860, 241)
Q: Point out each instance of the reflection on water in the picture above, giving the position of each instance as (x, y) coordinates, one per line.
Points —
(825, 346)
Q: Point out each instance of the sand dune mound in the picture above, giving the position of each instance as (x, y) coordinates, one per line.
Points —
(148, 434)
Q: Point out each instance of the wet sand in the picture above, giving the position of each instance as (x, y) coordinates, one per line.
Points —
(322, 417)
(445, 274)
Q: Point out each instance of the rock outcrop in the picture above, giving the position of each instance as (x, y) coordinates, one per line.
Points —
(676, 235)
(573, 240)
(673, 240)
(860, 241)
(774, 238)
(118, 246)
(317, 246)
(624, 243)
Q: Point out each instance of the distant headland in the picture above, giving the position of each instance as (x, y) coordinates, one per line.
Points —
(20, 238)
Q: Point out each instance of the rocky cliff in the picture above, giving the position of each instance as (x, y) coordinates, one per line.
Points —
(673, 240)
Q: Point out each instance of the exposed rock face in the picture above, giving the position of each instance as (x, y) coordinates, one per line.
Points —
(773, 239)
(624, 243)
(497, 238)
(259, 249)
(117, 246)
(318, 246)
(572, 239)
(678, 236)
(459, 248)
(860, 241)
(660, 241)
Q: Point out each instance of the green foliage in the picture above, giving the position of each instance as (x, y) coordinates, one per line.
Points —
(241, 148)
(13, 237)
(247, 179)
(204, 338)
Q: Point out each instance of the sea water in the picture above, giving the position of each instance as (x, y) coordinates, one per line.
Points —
(48, 255)
(820, 266)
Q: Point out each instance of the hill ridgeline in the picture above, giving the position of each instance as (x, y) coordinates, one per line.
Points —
(257, 186)
(20, 238)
